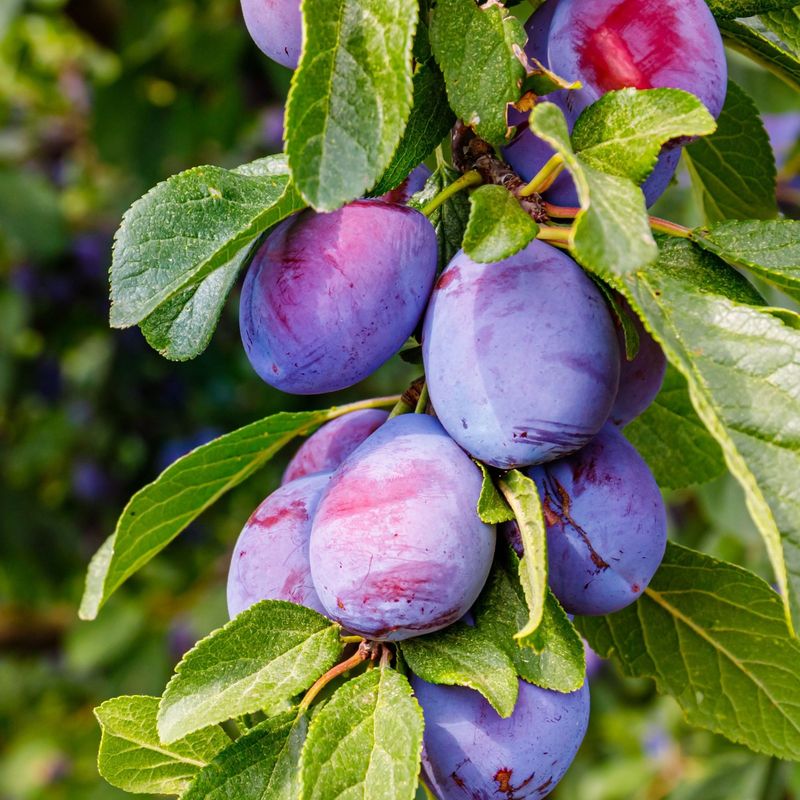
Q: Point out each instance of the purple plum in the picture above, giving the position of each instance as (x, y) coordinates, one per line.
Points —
(640, 379)
(471, 752)
(276, 27)
(397, 548)
(521, 356)
(414, 183)
(644, 44)
(330, 297)
(333, 443)
(606, 525)
(270, 560)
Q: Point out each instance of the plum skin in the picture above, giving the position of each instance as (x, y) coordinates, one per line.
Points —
(470, 751)
(644, 44)
(270, 559)
(276, 26)
(640, 378)
(606, 525)
(329, 446)
(329, 298)
(397, 548)
(521, 356)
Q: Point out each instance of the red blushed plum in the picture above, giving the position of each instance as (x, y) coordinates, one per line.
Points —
(330, 297)
(521, 356)
(276, 26)
(333, 443)
(397, 548)
(414, 183)
(641, 378)
(270, 560)
(606, 525)
(471, 752)
(644, 44)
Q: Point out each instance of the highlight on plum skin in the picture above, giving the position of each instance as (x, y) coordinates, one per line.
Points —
(397, 548)
(527, 378)
(363, 272)
(270, 559)
(606, 525)
(328, 447)
(641, 378)
(470, 751)
(644, 44)
(276, 26)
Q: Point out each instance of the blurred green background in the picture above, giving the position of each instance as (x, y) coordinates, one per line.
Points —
(99, 100)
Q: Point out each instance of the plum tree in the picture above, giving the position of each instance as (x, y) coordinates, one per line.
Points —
(270, 560)
(318, 273)
(397, 548)
(526, 379)
(333, 443)
(469, 751)
(606, 525)
(640, 378)
(644, 44)
(276, 26)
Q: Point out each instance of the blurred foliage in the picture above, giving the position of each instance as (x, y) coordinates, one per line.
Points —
(100, 99)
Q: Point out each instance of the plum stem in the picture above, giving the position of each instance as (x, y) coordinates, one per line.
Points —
(351, 639)
(561, 212)
(401, 407)
(467, 180)
(545, 177)
(422, 403)
(363, 652)
(555, 235)
(656, 223)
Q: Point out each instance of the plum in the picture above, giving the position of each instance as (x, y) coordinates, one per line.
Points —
(276, 26)
(397, 548)
(644, 44)
(270, 560)
(471, 752)
(330, 297)
(414, 183)
(521, 356)
(640, 379)
(332, 443)
(606, 525)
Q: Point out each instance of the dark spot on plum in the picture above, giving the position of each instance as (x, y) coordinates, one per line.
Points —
(635, 588)
(275, 368)
(542, 787)
(464, 423)
(503, 780)
(339, 604)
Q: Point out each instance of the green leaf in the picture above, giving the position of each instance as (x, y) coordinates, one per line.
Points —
(261, 765)
(785, 23)
(477, 49)
(770, 249)
(756, 43)
(623, 132)
(498, 227)
(258, 661)
(189, 227)
(501, 610)
(449, 220)
(522, 495)
(350, 97)
(713, 636)
(673, 441)
(181, 328)
(733, 170)
(365, 742)
(492, 506)
(464, 656)
(611, 235)
(133, 758)
(728, 9)
(742, 365)
(430, 121)
(156, 514)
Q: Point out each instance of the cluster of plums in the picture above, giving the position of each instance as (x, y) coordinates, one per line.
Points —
(375, 523)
